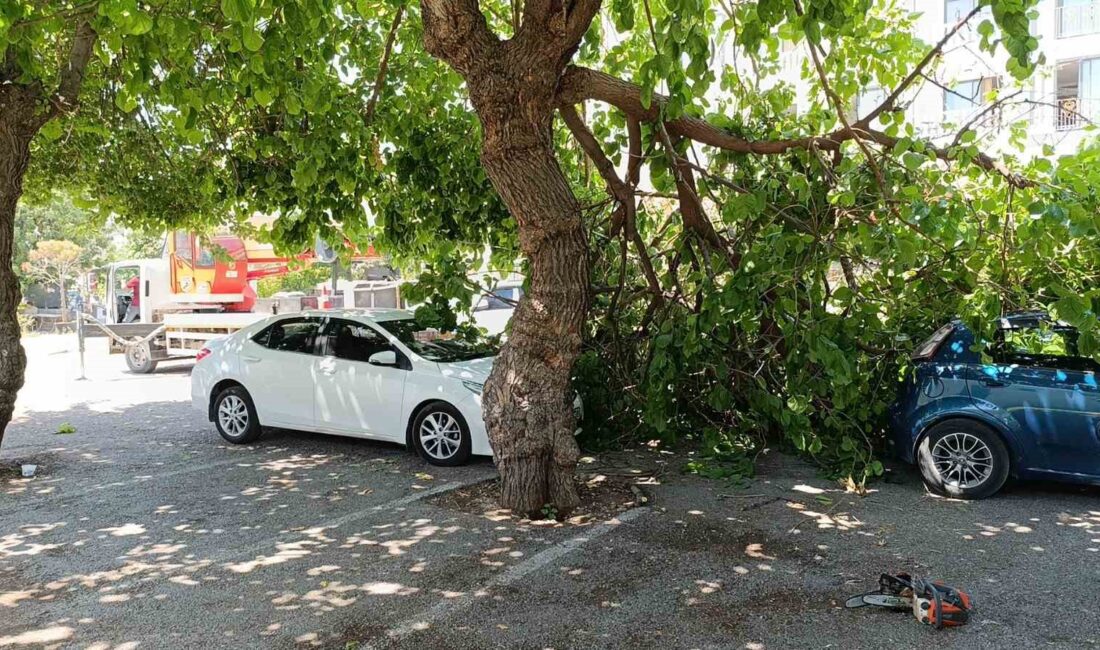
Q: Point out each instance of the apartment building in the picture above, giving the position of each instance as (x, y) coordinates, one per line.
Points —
(1055, 104)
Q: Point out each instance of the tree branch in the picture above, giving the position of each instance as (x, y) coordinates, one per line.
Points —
(982, 113)
(72, 74)
(622, 193)
(691, 207)
(383, 66)
(580, 84)
(565, 20)
(918, 70)
(456, 31)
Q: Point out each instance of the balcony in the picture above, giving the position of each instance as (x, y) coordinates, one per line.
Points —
(1078, 19)
(1075, 112)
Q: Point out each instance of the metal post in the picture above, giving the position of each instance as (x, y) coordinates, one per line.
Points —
(80, 333)
(335, 279)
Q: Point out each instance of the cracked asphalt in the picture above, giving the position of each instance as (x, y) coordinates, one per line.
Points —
(143, 529)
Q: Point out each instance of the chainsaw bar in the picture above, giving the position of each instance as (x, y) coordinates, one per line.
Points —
(931, 602)
(876, 599)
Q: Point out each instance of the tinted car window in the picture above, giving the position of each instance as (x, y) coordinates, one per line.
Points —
(291, 335)
(353, 341)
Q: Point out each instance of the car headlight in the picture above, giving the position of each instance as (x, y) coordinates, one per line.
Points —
(474, 387)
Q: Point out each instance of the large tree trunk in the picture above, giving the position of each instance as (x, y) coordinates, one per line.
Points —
(527, 401)
(16, 132)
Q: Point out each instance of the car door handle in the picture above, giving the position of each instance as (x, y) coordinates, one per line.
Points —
(250, 359)
(993, 383)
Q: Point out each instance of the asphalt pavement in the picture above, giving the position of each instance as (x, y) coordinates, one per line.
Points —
(143, 529)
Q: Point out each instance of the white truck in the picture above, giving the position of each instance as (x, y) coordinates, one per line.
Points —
(165, 326)
(162, 326)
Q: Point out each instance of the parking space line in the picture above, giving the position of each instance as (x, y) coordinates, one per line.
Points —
(449, 606)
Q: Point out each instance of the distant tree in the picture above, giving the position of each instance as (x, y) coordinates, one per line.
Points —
(56, 218)
(303, 279)
(54, 261)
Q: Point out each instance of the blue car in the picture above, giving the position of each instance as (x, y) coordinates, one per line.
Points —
(1031, 411)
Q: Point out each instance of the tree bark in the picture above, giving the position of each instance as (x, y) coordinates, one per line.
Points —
(24, 109)
(528, 398)
(527, 401)
(16, 131)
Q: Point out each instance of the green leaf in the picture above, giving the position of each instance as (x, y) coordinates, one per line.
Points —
(264, 96)
(239, 11)
(252, 39)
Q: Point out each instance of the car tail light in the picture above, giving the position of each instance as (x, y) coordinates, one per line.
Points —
(203, 353)
(929, 348)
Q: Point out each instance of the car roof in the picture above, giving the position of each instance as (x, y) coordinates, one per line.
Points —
(377, 315)
(1029, 319)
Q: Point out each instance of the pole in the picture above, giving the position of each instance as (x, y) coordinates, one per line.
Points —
(335, 279)
(80, 333)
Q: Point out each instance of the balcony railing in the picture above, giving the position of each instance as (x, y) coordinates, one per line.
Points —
(1077, 20)
(1075, 112)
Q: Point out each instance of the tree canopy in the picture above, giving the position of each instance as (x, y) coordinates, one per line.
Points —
(759, 257)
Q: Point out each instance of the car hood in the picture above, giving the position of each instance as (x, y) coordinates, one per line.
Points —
(472, 370)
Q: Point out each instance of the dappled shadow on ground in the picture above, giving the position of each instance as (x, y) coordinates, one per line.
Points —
(141, 514)
(602, 497)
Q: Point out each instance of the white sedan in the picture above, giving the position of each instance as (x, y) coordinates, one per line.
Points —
(366, 373)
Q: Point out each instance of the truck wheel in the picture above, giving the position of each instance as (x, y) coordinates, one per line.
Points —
(139, 359)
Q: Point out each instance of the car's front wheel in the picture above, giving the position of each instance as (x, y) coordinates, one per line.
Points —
(441, 436)
(964, 459)
(235, 416)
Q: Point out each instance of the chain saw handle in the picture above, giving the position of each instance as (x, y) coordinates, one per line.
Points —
(939, 605)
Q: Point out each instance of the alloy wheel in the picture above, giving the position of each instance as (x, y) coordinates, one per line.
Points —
(962, 460)
(440, 435)
(233, 415)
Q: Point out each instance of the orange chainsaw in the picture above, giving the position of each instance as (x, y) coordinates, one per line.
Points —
(932, 603)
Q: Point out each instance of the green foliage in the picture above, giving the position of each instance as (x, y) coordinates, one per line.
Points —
(199, 113)
(304, 279)
(65, 429)
(56, 218)
(796, 332)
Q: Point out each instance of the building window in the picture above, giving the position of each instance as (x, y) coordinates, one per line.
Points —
(956, 10)
(965, 96)
(869, 100)
(1078, 93)
(1077, 17)
(962, 97)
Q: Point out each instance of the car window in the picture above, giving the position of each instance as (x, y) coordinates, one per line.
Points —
(353, 341)
(442, 347)
(290, 335)
(499, 299)
(1042, 346)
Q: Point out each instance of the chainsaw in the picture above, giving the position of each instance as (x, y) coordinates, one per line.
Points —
(932, 603)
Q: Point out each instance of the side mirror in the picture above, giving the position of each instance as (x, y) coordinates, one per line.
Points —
(383, 358)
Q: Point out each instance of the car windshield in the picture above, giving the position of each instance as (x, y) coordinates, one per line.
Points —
(441, 347)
